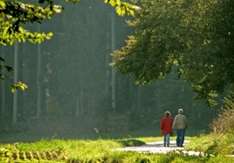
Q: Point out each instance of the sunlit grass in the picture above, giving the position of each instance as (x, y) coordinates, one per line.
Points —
(213, 144)
(105, 150)
(73, 148)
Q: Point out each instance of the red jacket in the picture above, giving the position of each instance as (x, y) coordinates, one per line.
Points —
(166, 125)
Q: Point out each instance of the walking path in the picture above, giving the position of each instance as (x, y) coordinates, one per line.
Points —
(157, 147)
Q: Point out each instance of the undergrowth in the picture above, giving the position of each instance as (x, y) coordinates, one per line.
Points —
(98, 151)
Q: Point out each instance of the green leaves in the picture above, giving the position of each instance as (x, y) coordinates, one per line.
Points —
(196, 36)
(15, 14)
(2, 4)
(5, 69)
(123, 8)
(18, 86)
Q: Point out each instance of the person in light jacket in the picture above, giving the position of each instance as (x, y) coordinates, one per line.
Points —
(180, 125)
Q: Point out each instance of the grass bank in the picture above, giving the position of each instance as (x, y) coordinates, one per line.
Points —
(214, 144)
(93, 151)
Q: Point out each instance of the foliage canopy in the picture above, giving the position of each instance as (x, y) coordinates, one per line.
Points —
(15, 14)
(196, 37)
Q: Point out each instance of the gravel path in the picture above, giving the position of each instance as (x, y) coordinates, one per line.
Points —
(157, 147)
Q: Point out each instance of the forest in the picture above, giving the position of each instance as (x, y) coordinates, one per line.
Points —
(85, 80)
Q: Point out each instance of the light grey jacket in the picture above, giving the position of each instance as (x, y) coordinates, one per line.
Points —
(180, 122)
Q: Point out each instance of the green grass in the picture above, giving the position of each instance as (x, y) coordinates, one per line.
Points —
(215, 144)
(73, 148)
(104, 151)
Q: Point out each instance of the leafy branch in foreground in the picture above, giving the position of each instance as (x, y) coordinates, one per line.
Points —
(15, 14)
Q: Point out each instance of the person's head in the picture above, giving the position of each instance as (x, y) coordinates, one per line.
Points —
(180, 110)
(167, 113)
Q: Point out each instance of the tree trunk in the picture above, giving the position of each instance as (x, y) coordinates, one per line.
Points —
(38, 111)
(15, 96)
(107, 62)
(77, 112)
(3, 92)
(79, 101)
(113, 73)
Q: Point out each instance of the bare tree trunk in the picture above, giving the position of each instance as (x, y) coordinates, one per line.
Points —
(47, 96)
(38, 111)
(79, 101)
(77, 113)
(107, 62)
(15, 96)
(113, 73)
(138, 98)
(3, 92)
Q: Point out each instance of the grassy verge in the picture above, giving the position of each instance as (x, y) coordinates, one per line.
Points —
(215, 144)
(93, 151)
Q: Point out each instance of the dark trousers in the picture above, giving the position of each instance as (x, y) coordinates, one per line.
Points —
(180, 137)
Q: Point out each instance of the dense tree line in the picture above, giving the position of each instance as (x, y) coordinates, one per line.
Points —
(73, 89)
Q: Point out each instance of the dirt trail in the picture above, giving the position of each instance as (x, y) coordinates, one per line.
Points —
(157, 147)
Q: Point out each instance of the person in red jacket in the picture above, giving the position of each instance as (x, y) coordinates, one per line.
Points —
(166, 127)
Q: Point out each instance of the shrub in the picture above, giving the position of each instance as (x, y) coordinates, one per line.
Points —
(225, 121)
